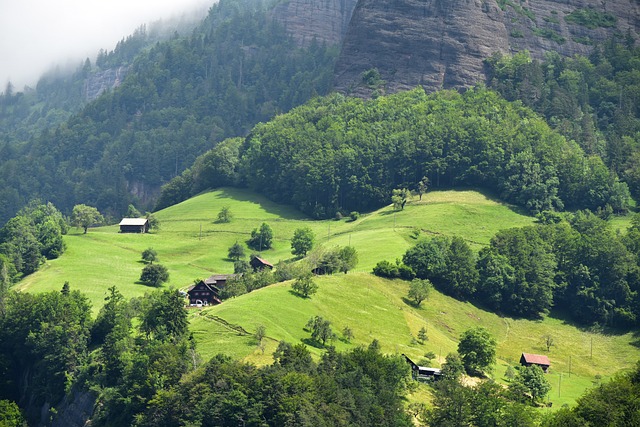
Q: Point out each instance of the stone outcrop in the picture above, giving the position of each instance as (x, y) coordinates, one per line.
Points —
(99, 82)
(322, 20)
(442, 43)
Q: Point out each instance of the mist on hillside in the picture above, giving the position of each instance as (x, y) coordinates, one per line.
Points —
(39, 35)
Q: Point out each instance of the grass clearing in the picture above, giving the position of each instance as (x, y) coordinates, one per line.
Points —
(193, 246)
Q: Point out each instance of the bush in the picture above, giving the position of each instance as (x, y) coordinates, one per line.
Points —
(386, 269)
(154, 274)
(354, 215)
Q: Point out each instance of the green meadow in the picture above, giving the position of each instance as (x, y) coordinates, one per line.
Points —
(193, 246)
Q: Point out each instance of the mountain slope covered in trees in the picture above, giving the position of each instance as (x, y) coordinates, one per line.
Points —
(180, 98)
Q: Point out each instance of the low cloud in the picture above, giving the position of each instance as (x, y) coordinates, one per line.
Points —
(36, 35)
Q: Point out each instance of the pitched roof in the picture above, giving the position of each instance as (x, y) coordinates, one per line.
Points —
(218, 277)
(264, 261)
(134, 221)
(536, 359)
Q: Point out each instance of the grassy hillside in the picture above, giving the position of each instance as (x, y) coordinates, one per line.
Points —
(374, 308)
(193, 246)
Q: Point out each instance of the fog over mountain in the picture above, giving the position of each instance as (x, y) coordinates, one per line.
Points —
(36, 35)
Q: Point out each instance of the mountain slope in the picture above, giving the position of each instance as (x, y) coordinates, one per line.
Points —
(442, 43)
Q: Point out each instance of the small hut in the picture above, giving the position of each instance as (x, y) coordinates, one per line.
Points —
(134, 225)
(258, 263)
(528, 359)
(423, 373)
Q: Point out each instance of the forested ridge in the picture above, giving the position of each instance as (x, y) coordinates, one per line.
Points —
(180, 98)
(338, 154)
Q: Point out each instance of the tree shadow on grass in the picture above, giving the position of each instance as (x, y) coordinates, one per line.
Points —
(294, 293)
(411, 303)
(313, 343)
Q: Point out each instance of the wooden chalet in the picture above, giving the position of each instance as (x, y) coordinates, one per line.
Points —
(258, 263)
(528, 359)
(423, 373)
(134, 225)
(207, 291)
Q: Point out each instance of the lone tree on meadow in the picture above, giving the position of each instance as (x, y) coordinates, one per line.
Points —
(149, 255)
(419, 290)
(321, 331)
(423, 185)
(236, 252)
(225, 215)
(477, 348)
(84, 216)
(261, 238)
(305, 286)
(399, 198)
(302, 241)
(154, 275)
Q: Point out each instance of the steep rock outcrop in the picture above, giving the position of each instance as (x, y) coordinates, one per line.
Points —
(322, 20)
(101, 81)
(442, 43)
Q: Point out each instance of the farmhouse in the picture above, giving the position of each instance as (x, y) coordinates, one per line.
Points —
(258, 263)
(134, 225)
(207, 291)
(423, 372)
(535, 359)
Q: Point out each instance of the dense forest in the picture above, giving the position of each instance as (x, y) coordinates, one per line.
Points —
(180, 98)
(573, 263)
(338, 154)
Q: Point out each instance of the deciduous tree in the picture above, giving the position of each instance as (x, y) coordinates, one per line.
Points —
(85, 216)
(477, 348)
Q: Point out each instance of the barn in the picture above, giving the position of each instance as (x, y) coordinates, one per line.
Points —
(258, 263)
(134, 225)
(423, 373)
(528, 359)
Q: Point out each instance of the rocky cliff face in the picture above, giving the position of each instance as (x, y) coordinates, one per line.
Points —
(325, 20)
(442, 43)
(98, 83)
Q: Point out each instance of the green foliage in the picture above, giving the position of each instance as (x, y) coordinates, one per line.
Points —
(320, 329)
(132, 212)
(236, 252)
(393, 270)
(347, 334)
(481, 405)
(43, 344)
(419, 290)
(372, 79)
(612, 403)
(532, 380)
(477, 349)
(33, 235)
(10, 415)
(302, 241)
(354, 215)
(399, 198)
(154, 274)
(225, 215)
(149, 255)
(85, 216)
(304, 286)
(163, 315)
(591, 18)
(318, 177)
(261, 238)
